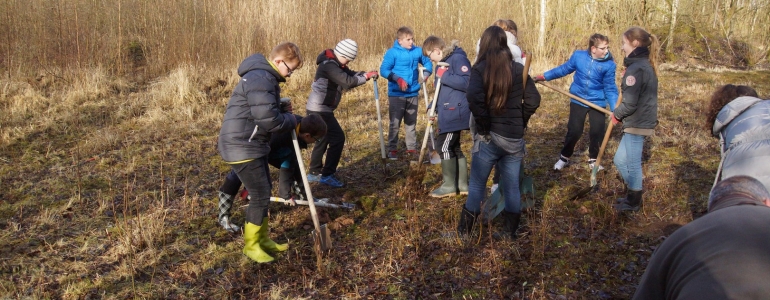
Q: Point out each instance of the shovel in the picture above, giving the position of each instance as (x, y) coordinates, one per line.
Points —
(321, 236)
(581, 100)
(434, 157)
(595, 169)
(322, 202)
(431, 114)
(379, 117)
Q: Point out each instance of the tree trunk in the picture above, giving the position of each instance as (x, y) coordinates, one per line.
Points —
(670, 41)
(541, 38)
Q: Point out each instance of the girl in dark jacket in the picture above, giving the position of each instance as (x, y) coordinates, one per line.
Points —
(501, 108)
(594, 81)
(253, 114)
(638, 111)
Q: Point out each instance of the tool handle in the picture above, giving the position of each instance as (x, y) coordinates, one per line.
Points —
(581, 100)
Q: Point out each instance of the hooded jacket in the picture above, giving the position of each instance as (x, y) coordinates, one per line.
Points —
(639, 108)
(331, 80)
(403, 63)
(594, 79)
(744, 125)
(452, 107)
(253, 112)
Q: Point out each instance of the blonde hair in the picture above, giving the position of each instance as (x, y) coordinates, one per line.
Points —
(289, 51)
(645, 39)
(431, 43)
(508, 25)
(404, 30)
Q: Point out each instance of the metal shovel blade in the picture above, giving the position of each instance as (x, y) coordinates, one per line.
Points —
(325, 237)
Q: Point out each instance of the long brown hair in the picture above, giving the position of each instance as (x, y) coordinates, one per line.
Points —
(645, 39)
(721, 97)
(497, 77)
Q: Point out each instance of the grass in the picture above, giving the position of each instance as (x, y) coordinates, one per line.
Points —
(109, 191)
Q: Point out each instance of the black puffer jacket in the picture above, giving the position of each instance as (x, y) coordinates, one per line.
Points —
(639, 108)
(512, 121)
(331, 79)
(253, 112)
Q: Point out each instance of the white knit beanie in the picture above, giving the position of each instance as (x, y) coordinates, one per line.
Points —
(347, 48)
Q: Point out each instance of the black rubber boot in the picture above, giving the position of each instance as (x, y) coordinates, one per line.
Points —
(511, 223)
(632, 202)
(467, 220)
(449, 172)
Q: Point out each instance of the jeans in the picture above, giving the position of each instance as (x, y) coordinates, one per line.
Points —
(256, 178)
(334, 141)
(402, 108)
(628, 160)
(575, 124)
(508, 164)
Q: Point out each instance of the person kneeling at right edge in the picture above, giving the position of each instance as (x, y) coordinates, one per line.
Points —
(453, 113)
(501, 106)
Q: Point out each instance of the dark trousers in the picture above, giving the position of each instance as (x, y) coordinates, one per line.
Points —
(448, 145)
(231, 185)
(577, 119)
(256, 178)
(288, 173)
(334, 141)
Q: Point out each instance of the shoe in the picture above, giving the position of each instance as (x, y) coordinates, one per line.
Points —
(561, 163)
(448, 187)
(313, 177)
(332, 181)
(393, 155)
(493, 188)
(225, 203)
(592, 162)
(251, 240)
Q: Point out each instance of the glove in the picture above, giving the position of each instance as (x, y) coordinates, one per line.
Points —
(286, 105)
(539, 78)
(440, 71)
(402, 84)
(615, 120)
(371, 74)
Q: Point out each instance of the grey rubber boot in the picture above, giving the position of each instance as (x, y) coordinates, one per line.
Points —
(448, 187)
(462, 175)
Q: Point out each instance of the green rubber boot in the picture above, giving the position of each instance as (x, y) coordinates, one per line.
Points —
(266, 243)
(251, 247)
(449, 171)
(462, 175)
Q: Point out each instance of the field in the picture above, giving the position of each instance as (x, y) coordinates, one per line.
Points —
(109, 168)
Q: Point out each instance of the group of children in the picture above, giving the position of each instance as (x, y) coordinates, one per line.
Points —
(492, 98)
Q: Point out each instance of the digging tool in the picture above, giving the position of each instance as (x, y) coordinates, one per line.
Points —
(431, 113)
(321, 236)
(322, 202)
(379, 117)
(595, 169)
(434, 157)
(581, 100)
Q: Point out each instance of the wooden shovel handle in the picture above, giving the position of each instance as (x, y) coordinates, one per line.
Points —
(607, 134)
(581, 100)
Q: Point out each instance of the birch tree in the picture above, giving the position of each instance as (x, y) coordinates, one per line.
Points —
(674, 9)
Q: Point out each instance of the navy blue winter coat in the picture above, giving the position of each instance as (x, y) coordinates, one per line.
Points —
(452, 106)
(594, 79)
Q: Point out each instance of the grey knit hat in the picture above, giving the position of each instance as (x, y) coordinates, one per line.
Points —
(347, 48)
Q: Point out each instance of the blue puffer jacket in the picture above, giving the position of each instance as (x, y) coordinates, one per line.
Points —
(404, 62)
(594, 79)
(452, 106)
(744, 125)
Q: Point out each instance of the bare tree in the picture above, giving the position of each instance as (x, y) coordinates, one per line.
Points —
(674, 9)
(541, 38)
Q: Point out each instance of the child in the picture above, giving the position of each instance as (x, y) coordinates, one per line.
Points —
(501, 106)
(638, 111)
(332, 78)
(594, 81)
(453, 113)
(399, 66)
(282, 156)
(511, 35)
(253, 114)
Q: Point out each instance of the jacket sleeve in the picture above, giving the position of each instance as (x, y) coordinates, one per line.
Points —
(531, 99)
(388, 62)
(425, 61)
(477, 100)
(343, 77)
(631, 93)
(455, 77)
(563, 70)
(262, 99)
(610, 89)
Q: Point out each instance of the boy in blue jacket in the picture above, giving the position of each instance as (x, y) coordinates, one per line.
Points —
(399, 66)
(453, 113)
(594, 81)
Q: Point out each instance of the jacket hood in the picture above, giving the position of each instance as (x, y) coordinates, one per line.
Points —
(397, 45)
(452, 48)
(731, 111)
(325, 55)
(606, 57)
(258, 62)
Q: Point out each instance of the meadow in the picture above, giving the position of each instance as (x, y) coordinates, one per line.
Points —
(109, 115)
